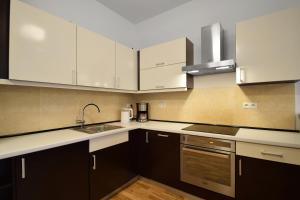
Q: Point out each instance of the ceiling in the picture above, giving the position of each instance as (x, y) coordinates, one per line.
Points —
(140, 10)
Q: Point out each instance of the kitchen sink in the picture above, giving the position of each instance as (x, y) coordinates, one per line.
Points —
(97, 128)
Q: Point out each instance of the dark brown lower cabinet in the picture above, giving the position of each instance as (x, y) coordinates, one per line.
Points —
(6, 179)
(160, 157)
(156, 156)
(110, 169)
(59, 173)
(266, 180)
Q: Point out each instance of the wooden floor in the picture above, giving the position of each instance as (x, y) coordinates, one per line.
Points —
(147, 190)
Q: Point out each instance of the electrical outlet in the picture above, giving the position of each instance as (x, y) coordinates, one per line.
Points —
(250, 105)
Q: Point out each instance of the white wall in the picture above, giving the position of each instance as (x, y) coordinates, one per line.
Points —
(298, 105)
(93, 16)
(187, 20)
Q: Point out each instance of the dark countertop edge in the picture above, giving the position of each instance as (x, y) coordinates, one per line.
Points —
(170, 121)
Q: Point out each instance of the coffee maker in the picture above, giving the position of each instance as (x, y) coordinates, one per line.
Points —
(142, 112)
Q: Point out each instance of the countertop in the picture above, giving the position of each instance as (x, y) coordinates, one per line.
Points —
(19, 145)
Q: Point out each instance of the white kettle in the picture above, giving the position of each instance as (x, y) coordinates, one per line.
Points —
(126, 115)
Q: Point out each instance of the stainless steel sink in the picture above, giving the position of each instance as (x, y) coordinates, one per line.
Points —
(97, 128)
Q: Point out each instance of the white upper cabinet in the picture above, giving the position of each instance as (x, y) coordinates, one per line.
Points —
(42, 47)
(95, 59)
(268, 48)
(161, 65)
(126, 68)
(167, 53)
(168, 77)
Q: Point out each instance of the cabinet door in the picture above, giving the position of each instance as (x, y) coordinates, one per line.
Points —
(42, 46)
(167, 53)
(95, 59)
(268, 47)
(126, 68)
(161, 159)
(110, 169)
(60, 173)
(167, 77)
(261, 179)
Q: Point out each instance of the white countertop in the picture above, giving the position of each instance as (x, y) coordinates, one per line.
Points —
(19, 145)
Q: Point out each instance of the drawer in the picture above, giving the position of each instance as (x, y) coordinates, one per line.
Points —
(268, 152)
(108, 141)
(164, 54)
(167, 77)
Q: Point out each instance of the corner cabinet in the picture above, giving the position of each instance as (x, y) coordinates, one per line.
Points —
(161, 65)
(126, 68)
(59, 173)
(159, 156)
(42, 47)
(267, 48)
(95, 59)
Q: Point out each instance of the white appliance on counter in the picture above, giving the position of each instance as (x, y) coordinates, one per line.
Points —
(126, 115)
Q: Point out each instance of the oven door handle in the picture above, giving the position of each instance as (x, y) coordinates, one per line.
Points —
(205, 151)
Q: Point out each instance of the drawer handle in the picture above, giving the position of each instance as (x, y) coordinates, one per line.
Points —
(211, 142)
(159, 64)
(271, 154)
(162, 135)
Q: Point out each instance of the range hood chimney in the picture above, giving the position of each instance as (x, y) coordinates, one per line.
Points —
(211, 53)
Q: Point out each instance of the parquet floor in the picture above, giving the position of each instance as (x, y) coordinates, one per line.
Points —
(148, 190)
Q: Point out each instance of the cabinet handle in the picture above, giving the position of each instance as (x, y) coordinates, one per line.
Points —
(94, 162)
(240, 167)
(240, 73)
(147, 137)
(271, 154)
(162, 135)
(23, 168)
(159, 64)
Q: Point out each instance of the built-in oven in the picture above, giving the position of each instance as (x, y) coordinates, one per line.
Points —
(208, 163)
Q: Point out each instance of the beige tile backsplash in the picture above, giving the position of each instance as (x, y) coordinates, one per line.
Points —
(223, 105)
(25, 109)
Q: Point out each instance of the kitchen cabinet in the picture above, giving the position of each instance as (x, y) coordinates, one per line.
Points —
(59, 173)
(167, 77)
(126, 68)
(263, 179)
(6, 179)
(164, 54)
(95, 59)
(110, 169)
(161, 65)
(160, 158)
(267, 47)
(4, 38)
(266, 172)
(42, 47)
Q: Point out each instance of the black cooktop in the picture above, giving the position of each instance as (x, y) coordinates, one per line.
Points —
(217, 129)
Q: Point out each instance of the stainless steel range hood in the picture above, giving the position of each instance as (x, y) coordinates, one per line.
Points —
(211, 53)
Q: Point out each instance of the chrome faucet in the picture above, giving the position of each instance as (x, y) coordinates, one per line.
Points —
(82, 121)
